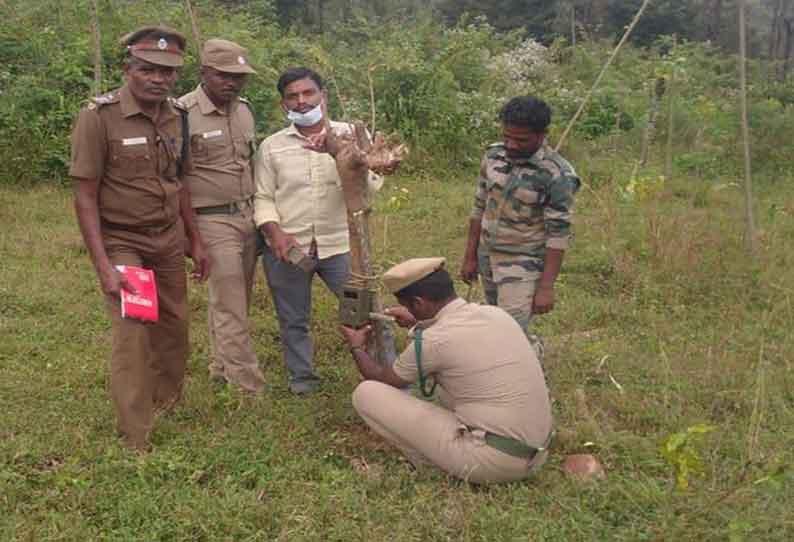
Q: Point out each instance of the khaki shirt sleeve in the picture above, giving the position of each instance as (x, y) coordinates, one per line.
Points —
(405, 365)
(89, 146)
(265, 187)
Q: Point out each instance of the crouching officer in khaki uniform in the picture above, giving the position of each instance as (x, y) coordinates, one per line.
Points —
(221, 185)
(128, 159)
(494, 423)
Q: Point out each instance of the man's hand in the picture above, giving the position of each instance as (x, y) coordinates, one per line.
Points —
(401, 315)
(356, 338)
(113, 281)
(469, 270)
(201, 261)
(543, 301)
(279, 242)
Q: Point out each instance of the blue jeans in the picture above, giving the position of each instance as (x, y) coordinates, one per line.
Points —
(291, 288)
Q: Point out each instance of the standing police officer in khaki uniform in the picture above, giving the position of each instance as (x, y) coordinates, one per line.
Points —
(494, 423)
(127, 161)
(221, 185)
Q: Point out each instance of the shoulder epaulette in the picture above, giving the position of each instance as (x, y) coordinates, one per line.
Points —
(176, 102)
(98, 101)
(188, 100)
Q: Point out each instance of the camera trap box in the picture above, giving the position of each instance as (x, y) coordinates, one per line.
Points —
(355, 304)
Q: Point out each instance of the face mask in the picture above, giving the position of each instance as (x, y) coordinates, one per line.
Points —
(309, 118)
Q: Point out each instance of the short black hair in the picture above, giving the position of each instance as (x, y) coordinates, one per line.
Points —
(527, 112)
(437, 286)
(296, 74)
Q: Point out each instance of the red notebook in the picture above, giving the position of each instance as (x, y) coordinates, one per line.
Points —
(142, 305)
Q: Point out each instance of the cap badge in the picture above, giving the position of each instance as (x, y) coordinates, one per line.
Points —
(162, 44)
(241, 60)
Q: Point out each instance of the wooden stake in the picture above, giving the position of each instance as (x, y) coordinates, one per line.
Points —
(750, 235)
(668, 154)
(194, 25)
(97, 52)
(586, 100)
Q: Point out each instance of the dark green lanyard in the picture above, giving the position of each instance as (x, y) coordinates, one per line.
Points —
(422, 377)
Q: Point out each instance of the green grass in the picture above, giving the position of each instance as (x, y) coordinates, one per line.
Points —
(662, 323)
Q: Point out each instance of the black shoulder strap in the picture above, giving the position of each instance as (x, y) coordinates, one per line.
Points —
(185, 143)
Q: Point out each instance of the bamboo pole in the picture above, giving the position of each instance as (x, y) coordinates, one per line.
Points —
(750, 238)
(194, 25)
(97, 52)
(589, 95)
(668, 154)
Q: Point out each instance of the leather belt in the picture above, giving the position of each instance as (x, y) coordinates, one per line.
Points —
(511, 446)
(231, 208)
(226, 209)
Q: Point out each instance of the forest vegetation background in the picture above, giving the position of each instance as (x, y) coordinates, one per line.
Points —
(670, 353)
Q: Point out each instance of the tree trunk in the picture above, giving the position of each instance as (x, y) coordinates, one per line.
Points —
(355, 156)
(714, 21)
(788, 26)
(573, 25)
(653, 112)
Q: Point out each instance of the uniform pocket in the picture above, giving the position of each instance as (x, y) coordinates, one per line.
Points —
(132, 157)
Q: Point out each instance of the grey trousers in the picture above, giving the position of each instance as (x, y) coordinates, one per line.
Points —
(291, 288)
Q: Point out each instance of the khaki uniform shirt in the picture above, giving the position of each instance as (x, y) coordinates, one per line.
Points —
(482, 359)
(222, 145)
(525, 205)
(133, 157)
(301, 191)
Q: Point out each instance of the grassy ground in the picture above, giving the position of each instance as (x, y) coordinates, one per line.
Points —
(663, 323)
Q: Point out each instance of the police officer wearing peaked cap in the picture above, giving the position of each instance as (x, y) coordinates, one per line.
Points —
(494, 421)
(128, 161)
(221, 184)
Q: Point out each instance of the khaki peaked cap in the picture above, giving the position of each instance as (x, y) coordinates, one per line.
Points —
(157, 45)
(225, 56)
(406, 273)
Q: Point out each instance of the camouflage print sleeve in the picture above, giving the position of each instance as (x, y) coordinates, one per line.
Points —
(558, 211)
(481, 196)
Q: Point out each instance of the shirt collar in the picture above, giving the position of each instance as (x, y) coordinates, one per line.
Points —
(292, 130)
(536, 159)
(207, 106)
(130, 106)
(447, 309)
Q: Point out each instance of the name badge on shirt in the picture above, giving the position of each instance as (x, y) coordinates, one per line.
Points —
(127, 141)
(210, 135)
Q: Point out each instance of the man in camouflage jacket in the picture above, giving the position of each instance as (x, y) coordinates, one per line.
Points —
(520, 225)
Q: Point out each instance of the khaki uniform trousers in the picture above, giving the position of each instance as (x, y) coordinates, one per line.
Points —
(147, 364)
(230, 241)
(431, 434)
